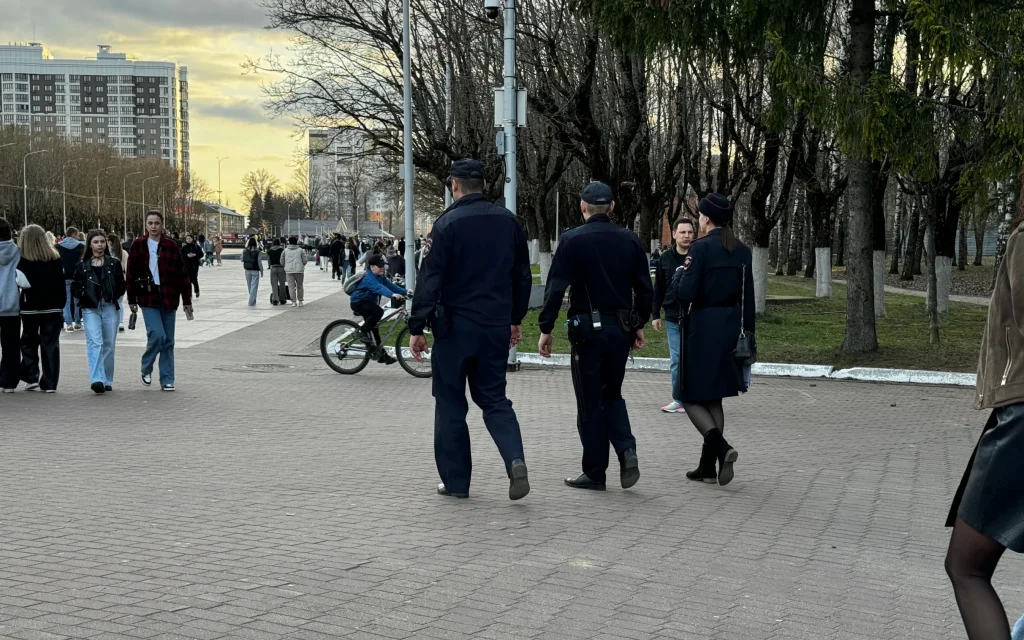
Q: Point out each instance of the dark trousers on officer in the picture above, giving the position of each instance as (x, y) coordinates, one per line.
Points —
(598, 368)
(476, 354)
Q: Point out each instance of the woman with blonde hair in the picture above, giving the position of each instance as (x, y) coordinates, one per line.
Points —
(42, 308)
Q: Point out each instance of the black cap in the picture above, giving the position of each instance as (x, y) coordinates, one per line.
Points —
(597, 193)
(716, 207)
(467, 169)
(376, 260)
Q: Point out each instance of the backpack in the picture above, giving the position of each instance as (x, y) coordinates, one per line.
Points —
(353, 282)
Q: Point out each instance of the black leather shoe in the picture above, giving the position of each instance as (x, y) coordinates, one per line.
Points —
(725, 454)
(97, 387)
(630, 471)
(445, 492)
(705, 471)
(583, 481)
(519, 483)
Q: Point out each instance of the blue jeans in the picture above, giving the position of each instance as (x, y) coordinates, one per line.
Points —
(68, 317)
(252, 280)
(672, 329)
(100, 335)
(159, 341)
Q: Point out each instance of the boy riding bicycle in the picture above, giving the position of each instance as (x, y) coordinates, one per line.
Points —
(365, 300)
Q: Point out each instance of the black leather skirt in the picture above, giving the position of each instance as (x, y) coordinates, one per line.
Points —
(991, 494)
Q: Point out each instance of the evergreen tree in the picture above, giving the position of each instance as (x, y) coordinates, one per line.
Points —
(255, 211)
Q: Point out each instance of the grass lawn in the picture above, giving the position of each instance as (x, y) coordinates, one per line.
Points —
(812, 332)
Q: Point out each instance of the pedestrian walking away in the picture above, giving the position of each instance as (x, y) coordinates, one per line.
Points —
(610, 302)
(278, 288)
(669, 268)
(350, 255)
(253, 266)
(473, 290)
(70, 250)
(208, 249)
(987, 514)
(336, 253)
(10, 310)
(294, 260)
(716, 290)
(97, 285)
(193, 255)
(42, 304)
(218, 247)
(365, 302)
(323, 253)
(157, 280)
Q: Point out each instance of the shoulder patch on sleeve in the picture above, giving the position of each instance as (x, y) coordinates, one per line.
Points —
(687, 262)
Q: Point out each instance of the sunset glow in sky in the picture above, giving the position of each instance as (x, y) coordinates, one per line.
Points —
(210, 37)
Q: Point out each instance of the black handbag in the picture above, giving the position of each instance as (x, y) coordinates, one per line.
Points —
(745, 352)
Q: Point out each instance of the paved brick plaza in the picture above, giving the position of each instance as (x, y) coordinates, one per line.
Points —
(297, 503)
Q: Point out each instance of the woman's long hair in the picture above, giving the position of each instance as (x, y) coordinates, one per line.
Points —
(87, 249)
(251, 243)
(34, 246)
(728, 237)
(115, 242)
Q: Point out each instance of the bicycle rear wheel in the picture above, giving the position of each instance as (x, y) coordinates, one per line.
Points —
(404, 355)
(343, 347)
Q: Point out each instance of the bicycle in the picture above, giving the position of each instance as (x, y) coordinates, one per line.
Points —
(347, 349)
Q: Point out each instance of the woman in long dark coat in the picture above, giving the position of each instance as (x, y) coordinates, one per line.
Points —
(716, 282)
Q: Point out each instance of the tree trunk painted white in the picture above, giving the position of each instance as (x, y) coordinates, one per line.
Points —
(878, 265)
(823, 272)
(534, 251)
(943, 276)
(759, 269)
(545, 266)
(654, 245)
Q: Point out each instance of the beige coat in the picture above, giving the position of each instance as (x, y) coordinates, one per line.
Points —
(1001, 362)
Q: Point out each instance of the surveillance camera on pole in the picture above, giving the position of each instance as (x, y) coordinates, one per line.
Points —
(493, 9)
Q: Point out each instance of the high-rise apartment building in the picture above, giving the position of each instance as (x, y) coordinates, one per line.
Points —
(350, 180)
(138, 108)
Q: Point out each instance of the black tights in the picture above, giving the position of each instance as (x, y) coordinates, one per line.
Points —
(706, 415)
(970, 563)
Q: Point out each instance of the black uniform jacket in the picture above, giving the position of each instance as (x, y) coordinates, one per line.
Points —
(478, 267)
(607, 269)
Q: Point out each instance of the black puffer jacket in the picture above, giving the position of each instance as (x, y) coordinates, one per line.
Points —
(90, 290)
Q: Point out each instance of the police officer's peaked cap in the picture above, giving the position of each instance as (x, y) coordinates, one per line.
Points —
(597, 193)
(467, 169)
(716, 207)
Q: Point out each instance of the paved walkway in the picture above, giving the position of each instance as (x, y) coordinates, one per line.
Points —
(272, 498)
(979, 300)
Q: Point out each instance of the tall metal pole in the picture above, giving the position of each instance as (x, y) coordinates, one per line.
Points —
(24, 179)
(511, 122)
(124, 200)
(410, 223)
(220, 160)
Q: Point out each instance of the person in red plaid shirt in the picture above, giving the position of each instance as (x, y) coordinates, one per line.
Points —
(157, 278)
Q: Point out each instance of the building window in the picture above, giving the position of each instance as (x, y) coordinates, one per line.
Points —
(21, 76)
(6, 76)
(8, 97)
(50, 98)
(62, 109)
(88, 141)
(35, 98)
(62, 119)
(22, 107)
(9, 108)
(21, 97)
(76, 99)
(21, 86)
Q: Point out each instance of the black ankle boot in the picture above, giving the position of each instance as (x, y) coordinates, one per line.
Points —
(705, 471)
(725, 454)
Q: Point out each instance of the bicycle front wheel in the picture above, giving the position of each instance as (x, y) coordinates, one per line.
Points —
(343, 347)
(409, 363)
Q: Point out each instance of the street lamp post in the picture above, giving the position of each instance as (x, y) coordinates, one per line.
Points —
(24, 178)
(98, 173)
(124, 200)
(64, 189)
(144, 197)
(410, 223)
(220, 160)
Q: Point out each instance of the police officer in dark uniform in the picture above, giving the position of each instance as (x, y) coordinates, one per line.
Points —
(717, 289)
(609, 303)
(473, 290)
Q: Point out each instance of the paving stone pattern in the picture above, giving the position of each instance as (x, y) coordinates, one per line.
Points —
(296, 503)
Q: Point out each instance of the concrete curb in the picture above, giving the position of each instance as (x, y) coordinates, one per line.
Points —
(770, 369)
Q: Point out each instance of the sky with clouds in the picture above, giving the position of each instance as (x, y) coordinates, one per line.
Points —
(210, 37)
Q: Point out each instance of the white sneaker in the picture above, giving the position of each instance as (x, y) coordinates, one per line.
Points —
(300, 303)
(673, 407)
(32, 386)
(120, 327)
(78, 326)
(69, 328)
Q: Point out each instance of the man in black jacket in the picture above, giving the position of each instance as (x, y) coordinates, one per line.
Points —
(474, 288)
(671, 261)
(70, 250)
(337, 253)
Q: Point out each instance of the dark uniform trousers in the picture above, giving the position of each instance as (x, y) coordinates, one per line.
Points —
(478, 354)
(598, 368)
